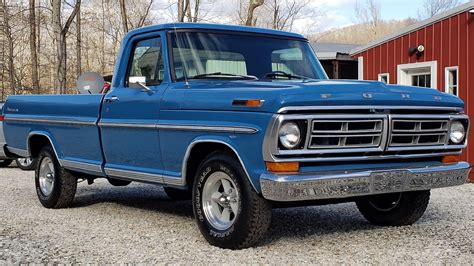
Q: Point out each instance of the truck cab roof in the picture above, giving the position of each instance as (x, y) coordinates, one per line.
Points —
(209, 26)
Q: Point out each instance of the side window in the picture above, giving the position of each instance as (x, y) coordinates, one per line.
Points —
(147, 62)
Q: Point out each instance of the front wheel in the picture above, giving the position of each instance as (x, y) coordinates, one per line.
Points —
(228, 211)
(55, 186)
(394, 209)
(26, 164)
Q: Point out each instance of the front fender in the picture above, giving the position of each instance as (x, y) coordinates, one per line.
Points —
(253, 165)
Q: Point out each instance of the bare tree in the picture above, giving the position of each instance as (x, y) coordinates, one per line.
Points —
(78, 43)
(368, 13)
(34, 56)
(432, 8)
(197, 5)
(185, 11)
(9, 43)
(182, 10)
(123, 13)
(60, 32)
(251, 20)
(284, 13)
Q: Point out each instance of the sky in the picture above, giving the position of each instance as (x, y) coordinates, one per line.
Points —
(340, 13)
(333, 13)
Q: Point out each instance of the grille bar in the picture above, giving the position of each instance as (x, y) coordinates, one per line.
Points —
(414, 132)
(346, 133)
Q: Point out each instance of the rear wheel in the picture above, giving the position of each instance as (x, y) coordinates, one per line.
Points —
(228, 211)
(5, 162)
(394, 209)
(178, 194)
(26, 164)
(55, 186)
(118, 182)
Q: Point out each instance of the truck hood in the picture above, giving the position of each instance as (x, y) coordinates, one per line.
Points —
(218, 95)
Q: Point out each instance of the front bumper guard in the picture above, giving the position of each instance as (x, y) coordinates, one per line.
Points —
(332, 185)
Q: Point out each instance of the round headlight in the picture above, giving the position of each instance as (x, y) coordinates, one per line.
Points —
(457, 132)
(290, 135)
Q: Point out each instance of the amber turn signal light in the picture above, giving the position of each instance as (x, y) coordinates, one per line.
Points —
(283, 167)
(450, 159)
(248, 103)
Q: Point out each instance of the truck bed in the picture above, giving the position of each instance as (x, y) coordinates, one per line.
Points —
(69, 121)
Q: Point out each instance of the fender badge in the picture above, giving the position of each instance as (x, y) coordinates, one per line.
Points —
(325, 96)
(405, 96)
(367, 95)
(438, 98)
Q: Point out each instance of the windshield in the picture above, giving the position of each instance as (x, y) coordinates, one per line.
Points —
(242, 56)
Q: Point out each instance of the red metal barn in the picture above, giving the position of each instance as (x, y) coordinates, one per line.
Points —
(436, 53)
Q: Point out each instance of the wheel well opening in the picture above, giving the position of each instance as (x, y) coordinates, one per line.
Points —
(198, 153)
(36, 143)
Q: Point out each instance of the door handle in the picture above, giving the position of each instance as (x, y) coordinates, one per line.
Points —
(112, 99)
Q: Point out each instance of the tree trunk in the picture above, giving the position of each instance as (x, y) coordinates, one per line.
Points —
(181, 11)
(57, 28)
(253, 4)
(188, 10)
(196, 10)
(102, 55)
(34, 56)
(60, 37)
(78, 44)
(9, 44)
(123, 13)
(38, 46)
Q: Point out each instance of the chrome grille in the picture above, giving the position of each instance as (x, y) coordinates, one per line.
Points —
(342, 134)
(329, 134)
(412, 132)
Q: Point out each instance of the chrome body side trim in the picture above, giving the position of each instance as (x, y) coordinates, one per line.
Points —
(359, 107)
(40, 120)
(343, 184)
(127, 125)
(191, 146)
(225, 129)
(75, 165)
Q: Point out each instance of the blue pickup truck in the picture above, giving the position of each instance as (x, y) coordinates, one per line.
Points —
(241, 120)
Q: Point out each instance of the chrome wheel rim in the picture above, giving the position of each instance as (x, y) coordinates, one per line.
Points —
(386, 202)
(220, 200)
(46, 176)
(24, 161)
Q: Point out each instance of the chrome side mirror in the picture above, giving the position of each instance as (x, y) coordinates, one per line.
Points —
(140, 82)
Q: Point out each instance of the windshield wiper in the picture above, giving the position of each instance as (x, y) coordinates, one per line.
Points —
(275, 74)
(207, 75)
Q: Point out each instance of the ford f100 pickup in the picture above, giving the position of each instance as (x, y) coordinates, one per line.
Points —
(240, 120)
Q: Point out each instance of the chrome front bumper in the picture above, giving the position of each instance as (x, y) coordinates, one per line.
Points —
(332, 185)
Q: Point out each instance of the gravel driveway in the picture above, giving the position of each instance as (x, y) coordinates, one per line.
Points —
(139, 223)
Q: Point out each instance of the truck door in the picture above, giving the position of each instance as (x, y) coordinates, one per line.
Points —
(130, 113)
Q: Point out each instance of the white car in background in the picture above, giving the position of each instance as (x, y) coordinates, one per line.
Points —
(23, 163)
